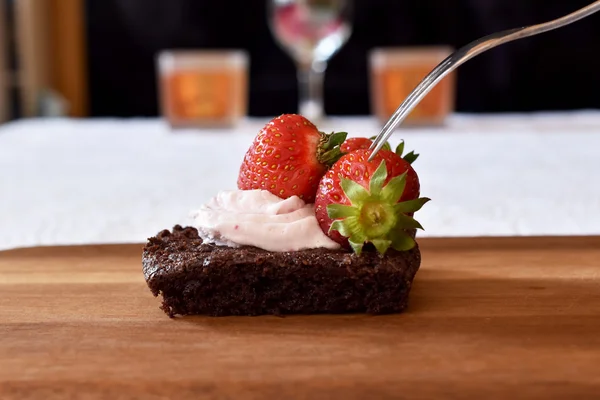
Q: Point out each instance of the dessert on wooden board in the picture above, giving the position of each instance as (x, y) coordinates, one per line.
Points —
(313, 227)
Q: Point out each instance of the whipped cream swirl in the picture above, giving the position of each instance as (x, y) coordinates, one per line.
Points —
(261, 219)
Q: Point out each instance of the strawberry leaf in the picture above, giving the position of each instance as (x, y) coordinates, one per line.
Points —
(358, 239)
(354, 227)
(334, 139)
(400, 148)
(410, 157)
(378, 179)
(382, 245)
(357, 246)
(354, 191)
(406, 222)
(329, 147)
(339, 226)
(358, 236)
(411, 206)
(401, 241)
(331, 156)
(347, 227)
(337, 211)
(392, 192)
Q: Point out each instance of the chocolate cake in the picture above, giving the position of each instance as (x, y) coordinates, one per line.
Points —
(198, 278)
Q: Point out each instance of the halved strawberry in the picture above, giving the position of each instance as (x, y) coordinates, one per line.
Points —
(288, 157)
(361, 201)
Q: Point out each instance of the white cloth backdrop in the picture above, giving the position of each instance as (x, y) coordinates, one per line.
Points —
(114, 181)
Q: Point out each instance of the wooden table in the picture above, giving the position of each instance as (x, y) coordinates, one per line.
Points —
(488, 318)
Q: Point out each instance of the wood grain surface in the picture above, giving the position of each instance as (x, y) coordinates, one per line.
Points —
(489, 318)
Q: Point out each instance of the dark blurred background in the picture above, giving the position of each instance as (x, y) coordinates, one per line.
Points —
(97, 57)
(554, 71)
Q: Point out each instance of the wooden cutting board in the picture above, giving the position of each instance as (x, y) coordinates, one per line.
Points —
(488, 318)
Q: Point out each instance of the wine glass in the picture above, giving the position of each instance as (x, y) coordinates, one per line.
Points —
(310, 31)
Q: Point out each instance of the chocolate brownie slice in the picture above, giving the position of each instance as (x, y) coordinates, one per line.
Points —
(198, 278)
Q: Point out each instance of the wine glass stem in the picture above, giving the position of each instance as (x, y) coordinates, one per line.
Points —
(310, 80)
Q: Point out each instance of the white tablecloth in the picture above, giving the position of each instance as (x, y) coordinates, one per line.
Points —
(98, 181)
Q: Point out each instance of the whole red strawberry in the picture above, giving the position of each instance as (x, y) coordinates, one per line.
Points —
(288, 157)
(360, 201)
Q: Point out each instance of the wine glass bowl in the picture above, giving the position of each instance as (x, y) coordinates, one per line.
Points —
(311, 32)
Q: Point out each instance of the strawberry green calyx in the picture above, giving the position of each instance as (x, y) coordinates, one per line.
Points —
(375, 215)
(409, 157)
(329, 147)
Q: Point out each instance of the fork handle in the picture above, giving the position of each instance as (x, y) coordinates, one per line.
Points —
(463, 55)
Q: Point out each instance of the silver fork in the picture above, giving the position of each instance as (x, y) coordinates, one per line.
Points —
(463, 55)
